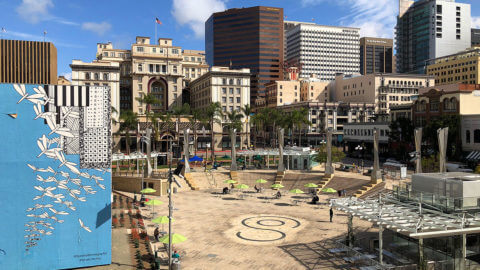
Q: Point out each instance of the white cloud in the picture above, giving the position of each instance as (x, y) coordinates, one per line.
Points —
(376, 18)
(34, 11)
(475, 22)
(195, 13)
(67, 76)
(98, 28)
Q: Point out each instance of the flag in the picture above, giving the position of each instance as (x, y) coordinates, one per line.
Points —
(45, 32)
(158, 21)
(4, 30)
(230, 63)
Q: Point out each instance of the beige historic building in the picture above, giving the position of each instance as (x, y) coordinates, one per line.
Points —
(101, 73)
(383, 90)
(63, 81)
(282, 92)
(230, 88)
(335, 115)
(312, 89)
(462, 67)
(193, 65)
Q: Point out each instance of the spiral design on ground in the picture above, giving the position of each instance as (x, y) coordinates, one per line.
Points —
(267, 228)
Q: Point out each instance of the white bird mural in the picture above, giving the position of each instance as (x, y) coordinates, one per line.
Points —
(83, 226)
(21, 90)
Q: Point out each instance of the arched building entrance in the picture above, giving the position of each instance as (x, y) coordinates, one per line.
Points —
(159, 88)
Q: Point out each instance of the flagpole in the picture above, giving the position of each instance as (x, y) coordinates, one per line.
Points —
(156, 31)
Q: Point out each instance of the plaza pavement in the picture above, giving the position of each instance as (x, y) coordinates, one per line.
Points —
(275, 234)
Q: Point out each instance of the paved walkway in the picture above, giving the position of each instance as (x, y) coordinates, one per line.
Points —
(121, 257)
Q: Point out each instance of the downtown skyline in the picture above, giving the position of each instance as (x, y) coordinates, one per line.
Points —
(76, 27)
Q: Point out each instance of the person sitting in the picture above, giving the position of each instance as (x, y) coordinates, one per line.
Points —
(225, 190)
(278, 195)
(315, 199)
(175, 255)
(256, 189)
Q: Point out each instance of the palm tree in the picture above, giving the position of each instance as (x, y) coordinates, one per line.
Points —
(166, 119)
(196, 115)
(234, 123)
(128, 122)
(247, 111)
(213, 112)
(178, 111)
(257, 123)
(149, 100)
(287, 121)
(301, 120)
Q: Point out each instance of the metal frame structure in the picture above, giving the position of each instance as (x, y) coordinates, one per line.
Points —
(411, 220)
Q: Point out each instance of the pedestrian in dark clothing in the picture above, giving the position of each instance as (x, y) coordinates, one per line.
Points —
(225, 190)
(156, 233)
(331, 214)
(339, 192)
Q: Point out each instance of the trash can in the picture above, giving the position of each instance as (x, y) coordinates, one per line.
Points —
(175, 265)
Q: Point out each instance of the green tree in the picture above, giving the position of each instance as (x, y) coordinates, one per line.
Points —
(214, 114)
(234, 119)
(401, 138)
(301, 121)
(337, 154)
(454, 143)
(178, 111)
(128, 122)
(247, 111)
(196, 114)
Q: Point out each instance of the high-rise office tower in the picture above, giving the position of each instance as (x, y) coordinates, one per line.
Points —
(31, 62)
(376, 55)
(429, 29)
(323, 50)
(248, 38)
(475, 37)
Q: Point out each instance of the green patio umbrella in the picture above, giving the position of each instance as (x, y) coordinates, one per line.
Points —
(296, 191)
(161, 220)
(261, 181)
(153, 203)
(176, 238)
(230, 181)
(147, 190)
(277, 186)
(329, 190)
(242, 186)
(310, 185)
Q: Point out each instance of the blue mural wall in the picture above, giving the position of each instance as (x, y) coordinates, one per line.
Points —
(55, 191)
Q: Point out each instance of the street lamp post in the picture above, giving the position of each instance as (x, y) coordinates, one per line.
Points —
(360, 148)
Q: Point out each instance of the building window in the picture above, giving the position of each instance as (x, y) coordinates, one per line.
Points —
(476, 136)
(224, 81)
(224, 90)
(224, 108)
(139, 49)
(230, 100)
(224, 100)
(139, 87)
(140, 67)
(230, 91)
(175, 88)
(150, 67)
(467, 136)
(105, 76)
(238, 99)
(87, 75)
(174, 69)
(230, 81)
(96, 76)
(239, 82)
(238, 91)
(175, 51)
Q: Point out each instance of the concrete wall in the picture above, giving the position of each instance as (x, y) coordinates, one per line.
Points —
(134, 185)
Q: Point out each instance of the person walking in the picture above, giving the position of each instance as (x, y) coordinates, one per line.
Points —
(331, 214)
(156, 233)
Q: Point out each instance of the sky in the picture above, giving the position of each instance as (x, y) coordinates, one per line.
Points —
(76, 26)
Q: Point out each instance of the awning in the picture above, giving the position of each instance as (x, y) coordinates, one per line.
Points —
(473, 156)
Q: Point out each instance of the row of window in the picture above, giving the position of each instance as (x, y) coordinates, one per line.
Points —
(364, 132)
(476, 136)
(155, 50)
(449, 104)
(96, 76)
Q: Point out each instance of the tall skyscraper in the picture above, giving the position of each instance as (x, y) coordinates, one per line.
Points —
(248, 38)
(429, 29)
(31, 62)
(376, 55)
(323, 50)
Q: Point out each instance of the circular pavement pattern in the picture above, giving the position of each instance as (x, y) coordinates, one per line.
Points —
(264, 229)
